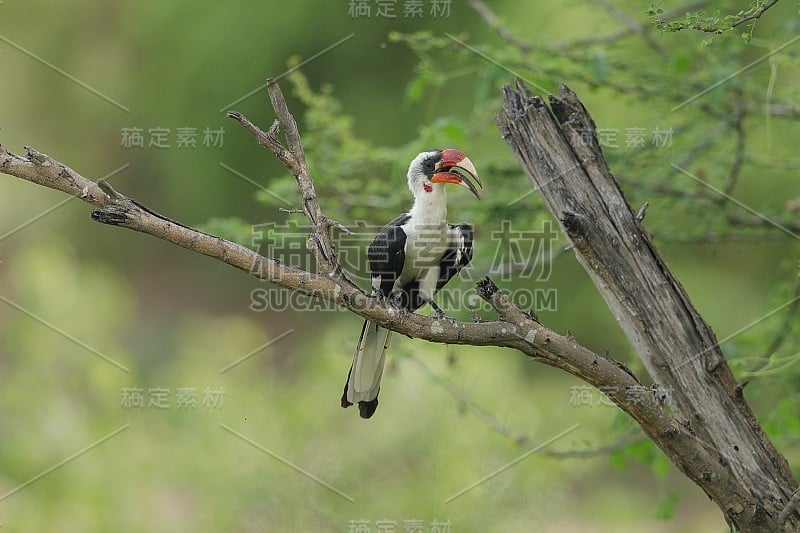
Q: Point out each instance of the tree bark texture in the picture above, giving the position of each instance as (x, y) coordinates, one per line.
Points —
(558, 150)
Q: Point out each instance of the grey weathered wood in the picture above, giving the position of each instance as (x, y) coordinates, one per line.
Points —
(559, 152)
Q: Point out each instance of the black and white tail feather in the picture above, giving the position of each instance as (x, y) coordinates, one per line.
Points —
(364, 380)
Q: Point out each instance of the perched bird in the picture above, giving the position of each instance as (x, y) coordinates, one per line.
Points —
(411, 259)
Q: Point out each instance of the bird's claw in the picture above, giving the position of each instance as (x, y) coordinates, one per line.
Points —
(450, 319)
(394, 301)
(441, 315)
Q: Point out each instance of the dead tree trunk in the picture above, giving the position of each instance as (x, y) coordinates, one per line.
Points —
(558, 149)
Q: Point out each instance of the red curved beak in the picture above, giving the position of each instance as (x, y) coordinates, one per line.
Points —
(455, 167)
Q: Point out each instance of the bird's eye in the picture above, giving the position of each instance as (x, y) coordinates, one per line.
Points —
(428, 164)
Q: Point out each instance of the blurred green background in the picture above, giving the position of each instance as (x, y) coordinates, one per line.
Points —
(266, 447)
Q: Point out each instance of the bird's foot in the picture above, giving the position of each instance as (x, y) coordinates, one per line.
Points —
(394, 301)
(441, 315)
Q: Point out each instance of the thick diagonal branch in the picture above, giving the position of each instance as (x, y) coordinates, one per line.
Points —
(559, 152)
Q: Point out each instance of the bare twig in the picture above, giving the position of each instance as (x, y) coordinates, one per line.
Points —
(268, 139)
(759, 222)
(295, 160)
(716, 237)
(491, 19)
(711, 28)
(781, 109)
(338, 225)
(642, 212)
(757, 14)
(739, 147)
(586, 453)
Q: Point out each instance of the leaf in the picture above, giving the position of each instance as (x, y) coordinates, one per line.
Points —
(654, 9)
(415, 88)
(665, 509)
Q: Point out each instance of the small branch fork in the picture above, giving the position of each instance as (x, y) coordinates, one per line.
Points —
(294, 159)
(515, 328)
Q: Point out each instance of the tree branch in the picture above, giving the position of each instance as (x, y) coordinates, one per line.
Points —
(693, 20)
(516, 329)
(493, 21)
(631, 27)
(755, 15)
(294, 159)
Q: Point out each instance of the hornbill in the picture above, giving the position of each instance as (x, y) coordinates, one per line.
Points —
(411, 258)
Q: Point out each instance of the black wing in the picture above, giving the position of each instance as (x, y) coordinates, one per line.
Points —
(387, 254)
(454, 259)
(457, 256)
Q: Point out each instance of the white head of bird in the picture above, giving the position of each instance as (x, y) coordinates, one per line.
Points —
(429, 172)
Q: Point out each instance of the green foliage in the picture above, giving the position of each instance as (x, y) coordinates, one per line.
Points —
(666, 507)
(715, 22)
